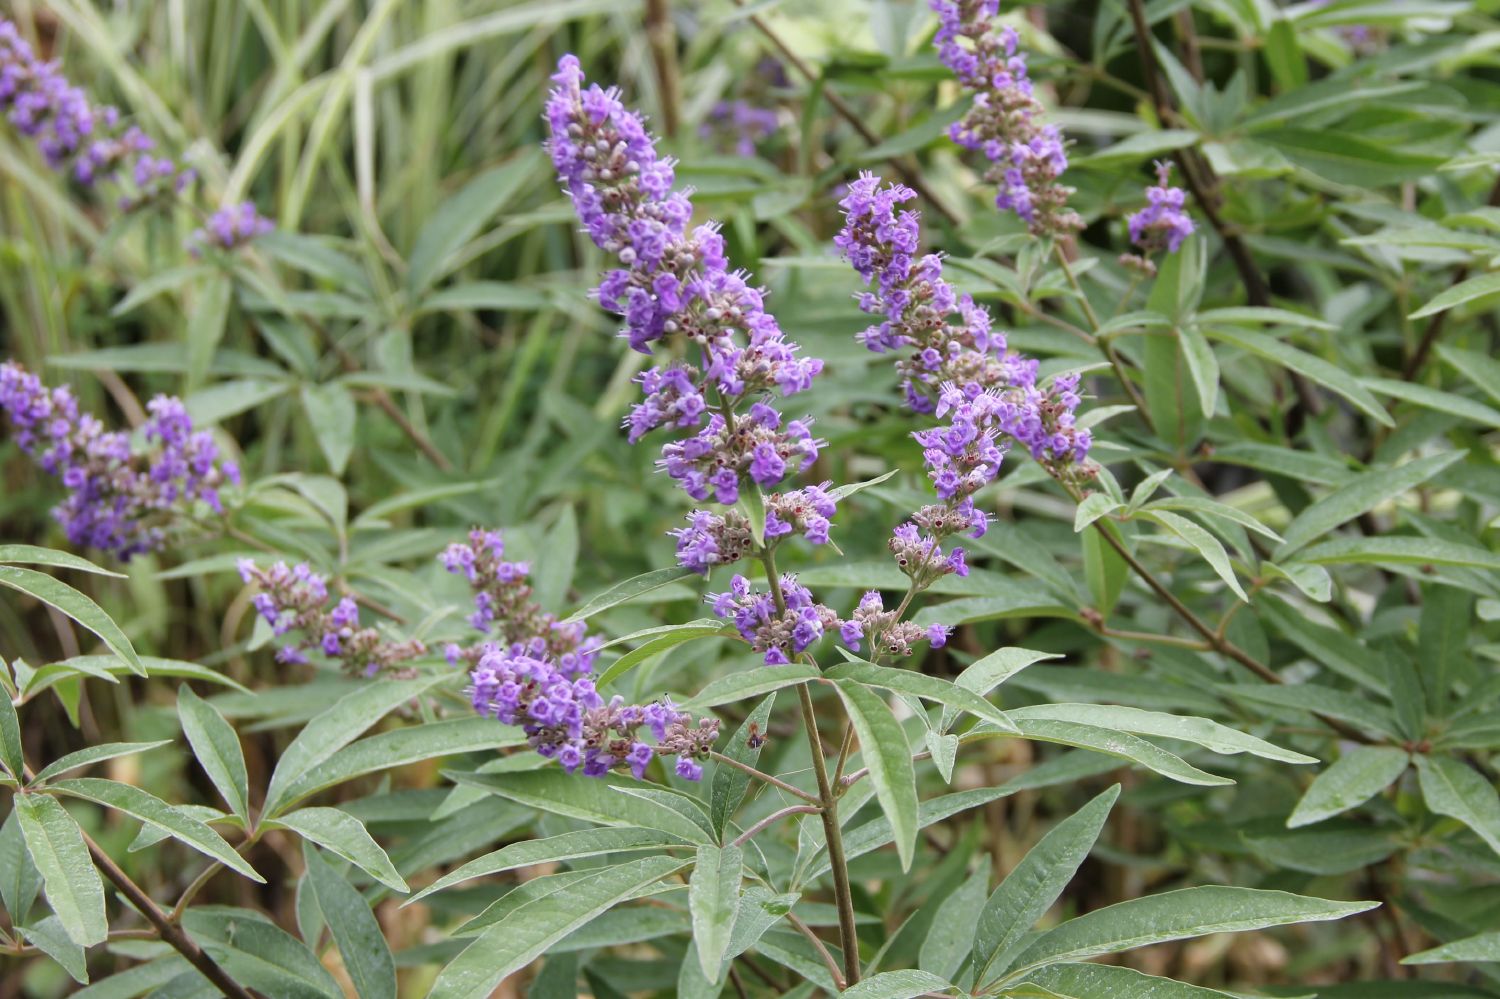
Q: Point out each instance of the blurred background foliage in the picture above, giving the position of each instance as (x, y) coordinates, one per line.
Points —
(412, 353)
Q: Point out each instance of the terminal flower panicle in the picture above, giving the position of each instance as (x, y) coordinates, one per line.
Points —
(294, 598)
(119, 499)
(1006, 122)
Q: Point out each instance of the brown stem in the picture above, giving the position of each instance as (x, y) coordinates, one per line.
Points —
(762, 776)
(1413, 366)
(663, 39)
(833, 835)
(818, 945)
(169, 932)
(845, 110)
(772, 819)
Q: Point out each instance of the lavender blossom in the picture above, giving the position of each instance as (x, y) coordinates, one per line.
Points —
(675, 284)
(73, 134)
(740, 123)
(503, 606)
(565, 719)
(118, 500)
(296, 599)
(1006, 122)
(712, 539)
(230, 228)
(883, 629)
(1163, 225)
(777, 634)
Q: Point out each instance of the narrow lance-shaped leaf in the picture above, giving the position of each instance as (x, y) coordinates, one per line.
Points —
(361, 943)
(94, 754)
(731, 783)
(149, 808)
(713, 900)
(217, 749)
(886, 752)
(1456, 790)
(1360, 495)
(80, 608)
(1357, 776)
(339, 832)
(69, 879)
(1031, 887)
(628, 590)
(10, 738)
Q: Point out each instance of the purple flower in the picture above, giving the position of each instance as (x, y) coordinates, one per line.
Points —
(740, 123)
(776, 634)
(230, 228)
(887, 634)
(675, 282)
(1163, 224)
(118, 500)
(296, 598)
(1006, 122)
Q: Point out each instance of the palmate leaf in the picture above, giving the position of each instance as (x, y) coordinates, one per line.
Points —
(524, 934)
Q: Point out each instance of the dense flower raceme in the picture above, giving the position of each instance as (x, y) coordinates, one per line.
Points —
(294, 598)
(537, 676)
(503, 607)
(119, 499)
(90, 143)
(1164, 224)
(1006, 123)
(959, 366)
(740, 125)
(566, 719)
(675, 285)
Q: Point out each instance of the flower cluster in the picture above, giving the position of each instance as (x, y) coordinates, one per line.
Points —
(565, 719)
(959, 367)
(503, 606)
(776, 634)
(884, 629)
(921, 556)
(118, 499)
(230, 228)
(740, 124)
(1163, 225)
(296, 598)
(712, 539)
(674, 284)
(1006, 122)
(73, 134)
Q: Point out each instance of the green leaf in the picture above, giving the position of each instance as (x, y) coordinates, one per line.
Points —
(951, 935)
(367, 957)
(1435, 400)
(848, 489)
(686, 806)
(1321, 700)
(1345, 158)
(152, 810)
(1202, 365)
(109, 667)
(32, 555)
(713, 900)
(1031, 887)
(931, 688)
(597, 801)
(526, 933)
(1094, 506)
(886, 752)
(1482, 947)
(1474, 288)
(1103, 568)
(897, 985)
(1456, 790)
(553, 849)
(1202, 731)
(68, 877)
(92, 755)
(1360, 495)
(19, 879)
(1118, 744)
(206, 322)
(334, 729)
(259, 954)
(1176, 915)
(1399, 550)
(749, 683)
(332, 416)
(461, 217)
(1104, 981)
(336, 831)
(1206, 544)
(11, 755)
(51, 938)
(628, 590)
(1330, 377)
(1481, 369)
(1356, 777)
(731, 783)
(217, 749)
(661, 641)
(499, 296)
(75, 605)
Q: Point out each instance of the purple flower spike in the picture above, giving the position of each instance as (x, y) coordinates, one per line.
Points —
(1163, 225)
(1006, 123)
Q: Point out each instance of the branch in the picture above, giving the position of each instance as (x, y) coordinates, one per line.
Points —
(1413, 366)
